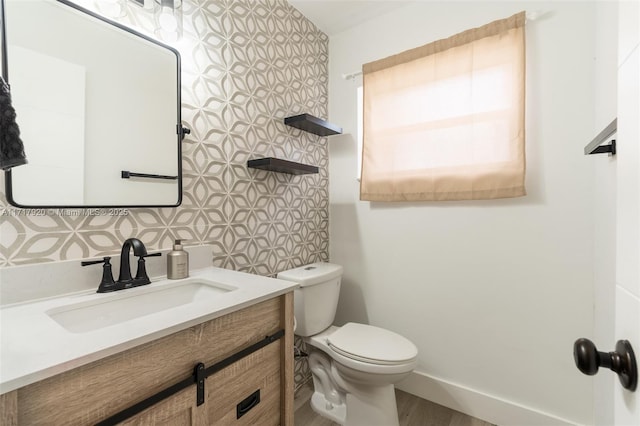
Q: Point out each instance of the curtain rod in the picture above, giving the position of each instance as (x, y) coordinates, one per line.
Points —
(530, 16)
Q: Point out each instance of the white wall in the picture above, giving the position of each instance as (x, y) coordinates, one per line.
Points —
(493, 293)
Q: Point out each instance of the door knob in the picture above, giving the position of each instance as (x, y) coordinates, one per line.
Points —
(622, 361)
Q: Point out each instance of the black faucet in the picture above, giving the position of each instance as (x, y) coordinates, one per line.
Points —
(139, 250)
(125, 270)
(124, 280)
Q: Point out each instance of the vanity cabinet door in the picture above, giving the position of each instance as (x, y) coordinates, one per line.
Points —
(180, 409)
(226, 389)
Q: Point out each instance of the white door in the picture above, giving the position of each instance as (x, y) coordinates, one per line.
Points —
(617, 212)
(627, 302)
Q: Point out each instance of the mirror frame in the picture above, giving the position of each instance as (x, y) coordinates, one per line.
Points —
(180, 130)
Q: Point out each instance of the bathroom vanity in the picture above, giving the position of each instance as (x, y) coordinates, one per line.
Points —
(59, 366)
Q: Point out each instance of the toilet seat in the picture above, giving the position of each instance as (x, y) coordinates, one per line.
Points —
(321, 342)
(372, 345)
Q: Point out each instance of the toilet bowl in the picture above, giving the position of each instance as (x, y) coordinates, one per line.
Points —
(354, 367)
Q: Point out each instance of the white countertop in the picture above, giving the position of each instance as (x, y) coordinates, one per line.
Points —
(34, 347)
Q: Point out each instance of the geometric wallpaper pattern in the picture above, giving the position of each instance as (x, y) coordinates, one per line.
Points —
(246, 64)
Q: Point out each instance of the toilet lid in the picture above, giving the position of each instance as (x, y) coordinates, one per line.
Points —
(372, 344)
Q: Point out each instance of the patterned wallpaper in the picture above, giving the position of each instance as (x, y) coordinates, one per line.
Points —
(246, 64)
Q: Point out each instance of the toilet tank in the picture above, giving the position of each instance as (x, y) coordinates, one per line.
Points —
(316, 300)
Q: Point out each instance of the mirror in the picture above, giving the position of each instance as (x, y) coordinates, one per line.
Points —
(98, 106)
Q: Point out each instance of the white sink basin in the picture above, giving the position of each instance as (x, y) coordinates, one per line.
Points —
(104, 310)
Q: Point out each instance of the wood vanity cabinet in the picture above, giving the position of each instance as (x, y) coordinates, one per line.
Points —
(93, 392)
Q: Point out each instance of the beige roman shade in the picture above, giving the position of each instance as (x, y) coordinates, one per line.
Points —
(445, 121)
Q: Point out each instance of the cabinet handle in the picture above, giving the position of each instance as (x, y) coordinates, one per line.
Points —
(247, 404)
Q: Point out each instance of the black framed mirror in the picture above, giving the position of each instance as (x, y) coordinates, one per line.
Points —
(98, 106)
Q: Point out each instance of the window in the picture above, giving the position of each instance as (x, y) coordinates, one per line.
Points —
(445, 121)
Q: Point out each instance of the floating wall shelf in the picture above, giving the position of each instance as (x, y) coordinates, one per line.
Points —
(311, 124)
(281, 166)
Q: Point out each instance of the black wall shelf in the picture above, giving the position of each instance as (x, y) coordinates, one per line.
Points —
(281, 166)
(311, 124)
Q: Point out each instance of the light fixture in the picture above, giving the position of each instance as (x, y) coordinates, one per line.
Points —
(113, 9)
(168, 19)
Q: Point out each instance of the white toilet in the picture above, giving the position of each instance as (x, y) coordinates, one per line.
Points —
(354, 366)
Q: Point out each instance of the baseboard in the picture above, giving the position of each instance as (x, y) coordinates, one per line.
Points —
(476, 404)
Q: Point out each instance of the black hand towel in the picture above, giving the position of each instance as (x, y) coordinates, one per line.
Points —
(11, 148)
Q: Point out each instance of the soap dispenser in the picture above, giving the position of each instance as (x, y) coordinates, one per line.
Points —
(177, 262)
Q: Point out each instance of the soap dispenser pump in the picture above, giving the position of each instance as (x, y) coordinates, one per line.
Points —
(177, 262)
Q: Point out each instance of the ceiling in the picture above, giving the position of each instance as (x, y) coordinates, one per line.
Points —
(334, 16)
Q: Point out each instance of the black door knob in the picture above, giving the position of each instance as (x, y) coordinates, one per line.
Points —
(622, 361)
